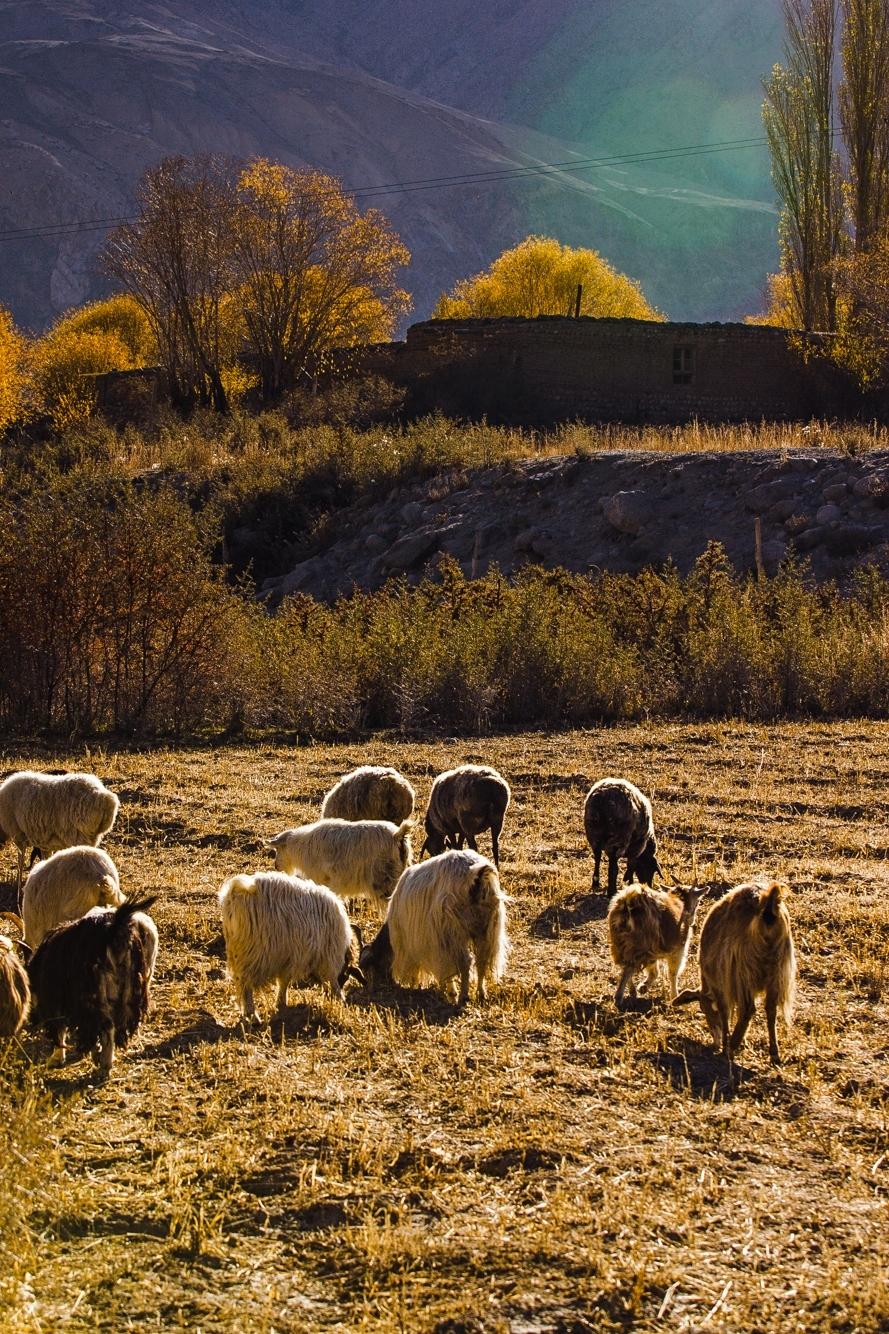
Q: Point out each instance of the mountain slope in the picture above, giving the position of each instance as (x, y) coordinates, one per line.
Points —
(391, 91)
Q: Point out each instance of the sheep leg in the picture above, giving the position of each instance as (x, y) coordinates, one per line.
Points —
(482, 964)
(597, 860)
(626, 980)
(470, 839)
(772, 1021)
(248, 1005)
(105, 1057)
(464, 977)
(651, 974)
(458, 840)
(59, 1049)
(20, 871)
(612, 874)
(495, 843)
(746, 1010)
(282, 994)
(713, 1015)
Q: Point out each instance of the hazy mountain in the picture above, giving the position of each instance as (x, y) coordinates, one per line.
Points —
(386, 91)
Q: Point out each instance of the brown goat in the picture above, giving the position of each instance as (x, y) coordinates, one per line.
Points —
(746, 951)
(646, 926)
(15, 994)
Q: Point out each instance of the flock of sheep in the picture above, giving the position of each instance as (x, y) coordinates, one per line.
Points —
(90, 954)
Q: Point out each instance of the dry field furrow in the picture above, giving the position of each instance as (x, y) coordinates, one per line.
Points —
(540, 1164)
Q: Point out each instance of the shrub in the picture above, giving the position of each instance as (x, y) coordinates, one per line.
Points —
(13, 377)
(112, 616)
(109, 335)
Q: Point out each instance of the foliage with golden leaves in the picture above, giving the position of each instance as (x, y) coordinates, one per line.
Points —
(541, 277)
(312, 272)
(13, 375)
(112, 335)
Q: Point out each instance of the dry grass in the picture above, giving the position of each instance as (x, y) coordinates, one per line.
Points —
(541, 1164)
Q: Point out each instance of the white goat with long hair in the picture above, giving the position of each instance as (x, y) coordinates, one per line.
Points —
(445, 913)
(283, 929)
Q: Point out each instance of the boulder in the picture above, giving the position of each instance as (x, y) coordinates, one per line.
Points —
(797, 523)
(839, 491)
(763, 497)
(851, 537)
(375, 544)
(627, 511)
(828, 514)
(873, 486)
(412, 512)
(810, 538)
(411, 548)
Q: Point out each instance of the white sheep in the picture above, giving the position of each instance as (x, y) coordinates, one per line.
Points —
(65, 886)
(287, 930)
(54, 811)
(361, 858)
(444, 912)
(372, 792)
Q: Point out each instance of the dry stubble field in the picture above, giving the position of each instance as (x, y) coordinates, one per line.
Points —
(539, 1164)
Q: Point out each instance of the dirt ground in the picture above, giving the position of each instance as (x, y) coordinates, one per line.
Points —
(540, 1164)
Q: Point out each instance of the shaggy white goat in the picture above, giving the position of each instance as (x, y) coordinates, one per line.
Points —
(370, 793)
(65, 886)
(282, 929)
(54, 811)
(352, 857)
(444, 912)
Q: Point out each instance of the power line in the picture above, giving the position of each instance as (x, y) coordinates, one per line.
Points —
(492, 176)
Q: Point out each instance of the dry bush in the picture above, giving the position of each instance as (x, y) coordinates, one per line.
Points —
(112, 615)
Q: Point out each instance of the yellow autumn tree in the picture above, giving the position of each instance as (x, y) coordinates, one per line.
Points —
(312, 272)
(542, 277)
(111, 335)
(13, 372)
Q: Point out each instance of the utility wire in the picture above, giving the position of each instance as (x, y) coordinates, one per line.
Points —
(492, 176)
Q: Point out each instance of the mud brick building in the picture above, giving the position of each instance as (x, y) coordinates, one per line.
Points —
(554, 368)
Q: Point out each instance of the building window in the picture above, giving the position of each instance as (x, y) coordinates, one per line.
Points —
(683, 365)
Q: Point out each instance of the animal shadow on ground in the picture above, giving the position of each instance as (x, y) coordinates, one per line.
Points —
(604, 1018)
(409, 1002)
(695, 1068)
(111, 1224)
(577, 910)
(201, 1026)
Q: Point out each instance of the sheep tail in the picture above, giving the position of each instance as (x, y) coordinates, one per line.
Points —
(241, 884)
(484, 886)
(772, 903)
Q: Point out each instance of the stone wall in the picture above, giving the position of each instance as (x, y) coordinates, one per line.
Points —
(538, 371)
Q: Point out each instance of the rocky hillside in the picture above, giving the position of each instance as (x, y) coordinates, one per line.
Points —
(387, 91)
(615, 511)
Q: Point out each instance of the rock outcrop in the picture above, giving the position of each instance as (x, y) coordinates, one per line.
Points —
(615, 511)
